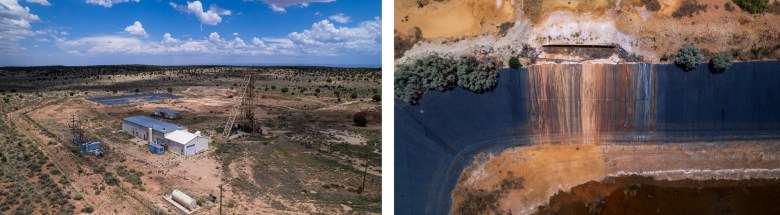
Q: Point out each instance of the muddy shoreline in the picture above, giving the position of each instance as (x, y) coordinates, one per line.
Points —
(645, 195)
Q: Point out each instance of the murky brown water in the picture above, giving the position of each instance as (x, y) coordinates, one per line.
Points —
(643, 195)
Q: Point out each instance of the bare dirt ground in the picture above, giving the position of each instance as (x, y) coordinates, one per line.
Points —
(518, 180)
(650, 29)
(309, 160)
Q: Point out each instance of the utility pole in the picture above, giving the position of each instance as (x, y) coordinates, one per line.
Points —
(220, 197)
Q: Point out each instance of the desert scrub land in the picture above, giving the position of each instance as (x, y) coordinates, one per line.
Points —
(310, 158)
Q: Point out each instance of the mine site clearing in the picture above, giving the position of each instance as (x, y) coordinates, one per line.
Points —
(639, 30)
(307, 154)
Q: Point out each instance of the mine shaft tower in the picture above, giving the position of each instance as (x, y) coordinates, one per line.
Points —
(244, 107)
(76, 130)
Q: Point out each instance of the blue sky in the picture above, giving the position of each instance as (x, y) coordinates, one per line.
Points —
(181, 32)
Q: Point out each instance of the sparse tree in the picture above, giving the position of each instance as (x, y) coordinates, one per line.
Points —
(514, 63)
(360, 120)
(689, 57)
(721, 62)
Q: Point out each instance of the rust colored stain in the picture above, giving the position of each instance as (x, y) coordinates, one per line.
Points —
(590, 99)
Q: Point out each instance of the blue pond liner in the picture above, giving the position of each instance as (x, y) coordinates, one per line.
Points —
(125, 99)
(436, 139)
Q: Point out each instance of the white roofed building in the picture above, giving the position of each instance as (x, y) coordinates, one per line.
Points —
(186, 143)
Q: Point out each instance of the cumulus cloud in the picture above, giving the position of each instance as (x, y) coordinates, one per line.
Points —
(340, 18)
(325, 37)
(136, 29)
(258, 42)
(167, 39)
(41, 2)
(209, 17)
(322, 39)
(14, 24)
(214, 37)
(109, 3)
(279, 5)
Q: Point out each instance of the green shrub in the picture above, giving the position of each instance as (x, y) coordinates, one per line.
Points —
(360, 121)
(752, 6)
(514, 63)
(721, 62)
(408, 84)
(88, 209)
(201, 200)
(477, 76)
(78, 196)
(376, 98)
(353, 96)
(437, 72)
(689, 57)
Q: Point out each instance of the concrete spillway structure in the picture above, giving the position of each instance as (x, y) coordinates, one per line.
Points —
(576, 103)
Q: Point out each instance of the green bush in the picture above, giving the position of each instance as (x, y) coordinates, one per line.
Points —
(88, 209)
(78, 196)
(721, 62)
(376, 98)
(752, 6)
(360, 121)
(688, 57)
(435, 72)
(477, 76)
(201, 200)
(438, 73)
(408, 84)
(514, 63)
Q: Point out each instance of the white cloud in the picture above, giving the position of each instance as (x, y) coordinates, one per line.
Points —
(209, 17)
(41, 2)
(14, 25)
(340, 18)
(109, 3)
(324, 37)
(258, 42)
(167, 39)
(279, 5)
(214, 37)
(136, 29)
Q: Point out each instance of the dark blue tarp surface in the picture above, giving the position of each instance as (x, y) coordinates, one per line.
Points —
(437, 138)
(124, 99)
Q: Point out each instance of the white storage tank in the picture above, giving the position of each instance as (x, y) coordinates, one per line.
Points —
(184, 200)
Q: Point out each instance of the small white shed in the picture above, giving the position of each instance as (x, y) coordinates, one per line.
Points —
(186, 143)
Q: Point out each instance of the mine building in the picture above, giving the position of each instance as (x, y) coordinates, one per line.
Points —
(174, 137)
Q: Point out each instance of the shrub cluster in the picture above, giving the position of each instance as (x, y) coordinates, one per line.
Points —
(752, 6)
(688, 57)
(721, 62)
(442, 73)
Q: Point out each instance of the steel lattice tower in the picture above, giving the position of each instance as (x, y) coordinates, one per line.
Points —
(244, 105)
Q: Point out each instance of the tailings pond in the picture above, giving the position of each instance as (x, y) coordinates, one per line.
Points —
(554, 130)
